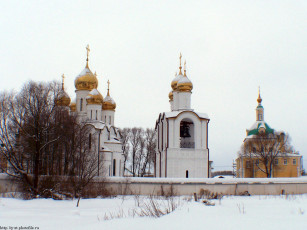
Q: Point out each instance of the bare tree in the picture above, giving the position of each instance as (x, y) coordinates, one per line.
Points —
(125, 136)
(139, 150)
(135, 147)
(40, 139)
(26, 120)
(263, 149)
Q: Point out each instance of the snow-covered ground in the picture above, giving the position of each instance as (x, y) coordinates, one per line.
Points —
(232, 212)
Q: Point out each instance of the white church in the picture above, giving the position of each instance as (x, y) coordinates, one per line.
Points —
(182, 135)
(99, 113)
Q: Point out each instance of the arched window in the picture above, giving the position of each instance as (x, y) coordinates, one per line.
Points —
(90, 141)
(187, 134)
(91, 114)
(96, 114)
(81, 103)
(114, 167)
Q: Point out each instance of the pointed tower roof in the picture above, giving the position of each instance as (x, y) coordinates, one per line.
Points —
(260, 126)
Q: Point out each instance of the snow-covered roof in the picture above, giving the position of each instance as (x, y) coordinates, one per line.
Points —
(94, 92)
(110, 99)
(176, 113)
(97, 124)
(184, 80)
(178, 77)
(85, 71)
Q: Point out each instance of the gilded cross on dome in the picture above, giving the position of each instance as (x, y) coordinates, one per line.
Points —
(180, 64)
(259, 100)
(185, 68)
(108, 87)
(87, 54)
(63, 81)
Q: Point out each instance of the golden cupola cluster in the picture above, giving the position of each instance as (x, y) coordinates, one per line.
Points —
(181, 82)
(62, 99)
(86, 80)
(108, 103)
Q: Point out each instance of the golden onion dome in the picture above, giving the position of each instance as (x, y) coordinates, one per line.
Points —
(177, 77)
(175, 81)
(62, 98)
(171, 96)
(184, 84)
(86, 80)
(94, 98)
(108, 103)
(73, 107)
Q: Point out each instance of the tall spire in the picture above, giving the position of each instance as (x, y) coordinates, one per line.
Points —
(259, 100)
(87, 54)
(63, 81)
(180, 73)
(185, 68)
(108, 94)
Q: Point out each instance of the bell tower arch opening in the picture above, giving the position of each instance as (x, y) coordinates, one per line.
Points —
(187, 134)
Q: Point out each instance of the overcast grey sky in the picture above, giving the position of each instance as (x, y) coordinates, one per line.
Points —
(231, 48)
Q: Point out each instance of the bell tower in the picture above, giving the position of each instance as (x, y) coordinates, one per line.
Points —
(182, 134)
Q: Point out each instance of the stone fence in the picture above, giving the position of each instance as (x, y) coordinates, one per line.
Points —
(235, 186)
(183, 186)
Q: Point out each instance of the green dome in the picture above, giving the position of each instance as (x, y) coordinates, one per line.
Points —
(254, 130)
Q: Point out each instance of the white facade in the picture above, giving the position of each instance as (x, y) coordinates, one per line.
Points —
(182, 136)
(99, 113)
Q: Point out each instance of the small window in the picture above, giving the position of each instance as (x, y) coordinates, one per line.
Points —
(248, 164)
(294, 161)
(105, 118)
(260, 117)
(81, 102)
(110, 120)
(276, 162)
(187, 174)
(96, 114)
(114, 167)
(285, 162)
(91, 114)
